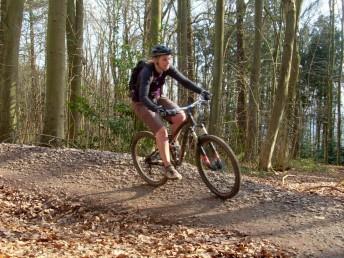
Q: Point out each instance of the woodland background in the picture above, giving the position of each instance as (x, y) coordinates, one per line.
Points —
(274, 69)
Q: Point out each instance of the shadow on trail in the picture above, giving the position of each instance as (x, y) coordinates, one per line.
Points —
(139, 191)
(250, 209)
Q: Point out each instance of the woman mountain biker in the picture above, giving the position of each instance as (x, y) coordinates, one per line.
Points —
(150, 106)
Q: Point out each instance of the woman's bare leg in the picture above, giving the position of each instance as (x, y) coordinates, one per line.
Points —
(177, 120)
(164, 150)
(161, 137)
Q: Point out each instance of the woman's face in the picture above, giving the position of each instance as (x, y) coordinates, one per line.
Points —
(164, 62)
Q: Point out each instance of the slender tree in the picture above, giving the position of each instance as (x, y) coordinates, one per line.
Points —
(253, 106)
(10, 27)
(190, 44)
(277, 49)
(53, 127)
(146, 27)
(214, 122)
(288, 129)
(34, 113)
(74, 49)
(155, 28)
(339, 92)
(183, 45)
(282, 89)
(241, 74)
(328, 123)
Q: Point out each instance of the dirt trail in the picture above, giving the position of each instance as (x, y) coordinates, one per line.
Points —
(308, 224)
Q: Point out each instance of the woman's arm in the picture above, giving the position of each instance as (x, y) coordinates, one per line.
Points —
(179, 77)
(146, 78)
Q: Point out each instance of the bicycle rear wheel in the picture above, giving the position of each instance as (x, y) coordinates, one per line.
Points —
(147, 160)
(218, 166)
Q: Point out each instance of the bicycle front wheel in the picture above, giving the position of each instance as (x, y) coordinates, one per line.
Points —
(147, 160)
(218, 166)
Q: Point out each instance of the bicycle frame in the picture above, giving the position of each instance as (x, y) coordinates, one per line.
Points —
(190, 124)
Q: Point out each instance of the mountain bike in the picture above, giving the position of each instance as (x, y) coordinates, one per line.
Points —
(215, 160)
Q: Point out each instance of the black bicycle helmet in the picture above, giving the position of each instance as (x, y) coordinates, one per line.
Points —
(160, 50)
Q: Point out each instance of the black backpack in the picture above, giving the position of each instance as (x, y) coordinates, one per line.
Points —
(134, 76)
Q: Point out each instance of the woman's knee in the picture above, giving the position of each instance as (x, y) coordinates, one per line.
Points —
(162, 134)
(180, 118)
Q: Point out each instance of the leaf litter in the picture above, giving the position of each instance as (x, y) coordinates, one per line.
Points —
(37, 224)
(86, 203)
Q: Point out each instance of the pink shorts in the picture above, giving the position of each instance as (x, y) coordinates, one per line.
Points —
(152, 119)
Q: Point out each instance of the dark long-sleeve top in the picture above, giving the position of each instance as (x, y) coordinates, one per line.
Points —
(150, 84)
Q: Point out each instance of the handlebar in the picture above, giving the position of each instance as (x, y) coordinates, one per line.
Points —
(200, 101)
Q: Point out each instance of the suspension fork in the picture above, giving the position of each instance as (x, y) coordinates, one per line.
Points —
(212, 147)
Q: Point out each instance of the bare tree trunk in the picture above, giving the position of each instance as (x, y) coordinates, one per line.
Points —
(339, 92)
(282, 153)
(10, 28)
(34, 115)
(214, 123)
(297, 129)
(3, 13)
(241, 74)
(253, 106)
(275, 58)
(190, 44)
(282, 89)
(155, 30)
(74, 48)
(318, 134)
(183, 46)
(146, 27)
(328, 146)
(114, 14)
(53, 127)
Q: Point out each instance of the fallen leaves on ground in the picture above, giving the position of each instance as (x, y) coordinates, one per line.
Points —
(37, 224)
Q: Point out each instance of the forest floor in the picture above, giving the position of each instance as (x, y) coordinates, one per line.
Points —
(75, 203)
